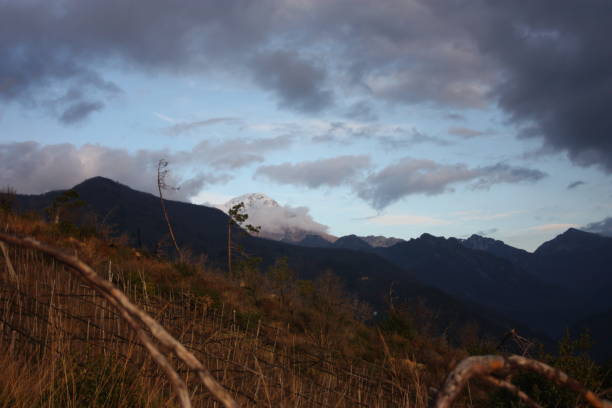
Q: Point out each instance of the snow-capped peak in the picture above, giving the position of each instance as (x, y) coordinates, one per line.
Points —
(251, 201)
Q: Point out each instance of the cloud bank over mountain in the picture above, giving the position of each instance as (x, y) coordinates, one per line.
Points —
(603, 227)
(31, 167)
(277, 221)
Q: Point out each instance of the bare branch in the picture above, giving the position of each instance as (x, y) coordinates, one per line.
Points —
(484, 366)
(134, 316)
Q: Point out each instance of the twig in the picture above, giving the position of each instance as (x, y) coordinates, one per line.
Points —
(513, 389)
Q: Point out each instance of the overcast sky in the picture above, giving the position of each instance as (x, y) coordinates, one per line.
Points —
(390, 117)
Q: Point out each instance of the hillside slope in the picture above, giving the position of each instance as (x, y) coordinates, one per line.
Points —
(204, 231)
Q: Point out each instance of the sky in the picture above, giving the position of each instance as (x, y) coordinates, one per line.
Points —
(394, 117)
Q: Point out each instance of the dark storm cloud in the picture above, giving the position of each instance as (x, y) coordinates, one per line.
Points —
(575, 184)
(420, 176)
(545, 63)
(45, 47)
(554, 66)
(399, 51)
(603, 227)
(299, 84)
(330, 172)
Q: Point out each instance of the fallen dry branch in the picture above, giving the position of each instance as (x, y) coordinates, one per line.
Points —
(136, 318)
(512, 388)
(9, 264)
(484, 366)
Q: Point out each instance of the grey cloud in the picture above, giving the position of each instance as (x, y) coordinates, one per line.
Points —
(420, 176)
(408, 138)
(197, 183)
(393, 137)
(543, 62)
(34, 168)
(555, 81)
(300, 84)
(575, 184)
(466, 132)
(79, 111)
(235, 153)
(603, 227)
(361, 110)
(503, 173)
(45, 48)
(399, 51)
(185, 127)
(454, 116)
(487, 232)
(330, 172)
(403, 51)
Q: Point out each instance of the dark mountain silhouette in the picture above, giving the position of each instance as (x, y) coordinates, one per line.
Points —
(353, 242)
(381, 241)
(315, 241)
(204, 231)
(576, 259)
(498, 248)
(483, 278)
(599, 327)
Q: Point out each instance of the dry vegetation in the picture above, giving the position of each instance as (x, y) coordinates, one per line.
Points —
(270, 339)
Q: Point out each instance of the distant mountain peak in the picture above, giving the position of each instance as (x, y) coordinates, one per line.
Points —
(352, 242)
(379, 241)
(97, 180)
(101, 183)
(572, 239)
(476, 241)
(252, 200)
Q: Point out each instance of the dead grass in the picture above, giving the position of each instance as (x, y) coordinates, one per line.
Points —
(63, 345)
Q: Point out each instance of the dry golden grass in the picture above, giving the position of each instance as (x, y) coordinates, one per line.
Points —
(63, 345)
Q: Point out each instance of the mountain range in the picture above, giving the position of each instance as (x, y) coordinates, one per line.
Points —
(566, 282)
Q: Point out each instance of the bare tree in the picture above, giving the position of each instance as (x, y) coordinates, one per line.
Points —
(237, 217)
(162, 172)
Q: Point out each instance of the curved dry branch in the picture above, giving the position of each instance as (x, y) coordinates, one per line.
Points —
(484, 366)
(513, 389)
(135, 317)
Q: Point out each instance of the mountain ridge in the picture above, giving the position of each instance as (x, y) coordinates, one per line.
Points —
(203, 230)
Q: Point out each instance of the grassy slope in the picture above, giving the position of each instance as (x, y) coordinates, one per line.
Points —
(271, 339)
